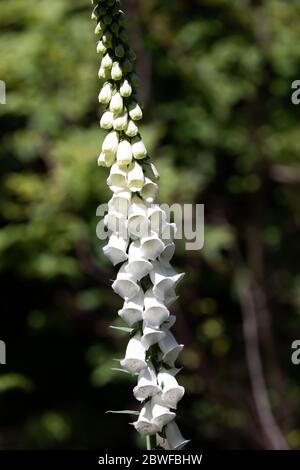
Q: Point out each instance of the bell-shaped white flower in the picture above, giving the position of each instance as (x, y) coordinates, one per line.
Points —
(167, 253)
(135, 357)
(157, 218)
(116, 103)
(149, 191)
(106, 159)
(115, 249)
(174, 437)
(161, 414)
(124, 153)
(169, 347)
(105, 93)
(132, 129)
(147, 384)
(144, 424)
(106, 61)
(137, 266)
(110, 144)
(116, 223)
(138, 223)
(164, 279)
(116, 71)
(151, 246)
(135, 111)
(120, 202)
(155, 312)
(125, 285)
(133, 309)
(125, 88)
(120, 122)
(172, 392)
(106, 121)
(138, 148)
(117, 180)
(151, 336)
(135, 177)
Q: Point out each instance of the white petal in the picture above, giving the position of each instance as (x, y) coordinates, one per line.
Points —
(115, 249)
(169, 347)
(149, 191)
(135, 177)
(161, 415)
(117, 180)
(155, 312)
(120, 122)
(138, 268)
(120, 202)
(172, 392)
(124, 153)
(134, 360)
(164, 279)
(106, 159)
(144, 423)
(174, 437)
(147, 384)
(110, 143)
(168, 252)
(138, 148)
(132, 309)
(151, 336)
(116, 103)
(138, 225)
(125, 286)
(116, 223)
(106, 121)
(151, 246)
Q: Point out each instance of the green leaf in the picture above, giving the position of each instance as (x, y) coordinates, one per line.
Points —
(124, 412)
(122, 328)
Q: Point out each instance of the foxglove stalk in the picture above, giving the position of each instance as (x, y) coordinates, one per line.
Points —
(140, 235)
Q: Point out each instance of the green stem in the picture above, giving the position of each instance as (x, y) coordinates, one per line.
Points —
(151, 441)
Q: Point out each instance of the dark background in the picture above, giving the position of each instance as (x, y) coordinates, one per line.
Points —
(220, 125)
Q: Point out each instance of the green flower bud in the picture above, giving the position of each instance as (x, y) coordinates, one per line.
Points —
(105, 94)
(127, 66)
(132, 129)
(131, 54)
(106, 121)
(102, 10)
(125, 88)
(106, 62)
(134, 79)
(121, 18)
(138, 148)
(107, 19)
(120, 122)
(123, 36)
(119, 50)
(116, 104)
(135, 111)
(110, 2)
(116, 71)
(114, 27)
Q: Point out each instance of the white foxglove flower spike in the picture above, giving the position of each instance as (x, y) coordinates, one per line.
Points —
(141, 236)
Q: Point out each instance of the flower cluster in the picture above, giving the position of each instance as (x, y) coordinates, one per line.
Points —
(141, 237)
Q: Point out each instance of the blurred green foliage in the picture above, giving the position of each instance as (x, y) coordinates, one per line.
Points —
(220, 125)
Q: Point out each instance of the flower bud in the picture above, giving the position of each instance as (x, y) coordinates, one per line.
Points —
(131, 54)
(132, 129)
(135, 111)
(119, 50)
(134, 79)
(123, 36)
(100, 28)
(114, 27)
(106, 159)
(101, 49)
(125, 88)
(107, 38)
(116, 103)
(106, 121)
(103, 73)
(107, 19)
(116, 71)
(124, 153)
(106, 61)
(138, 148)
(120, 122)
(110, 143)
(135, 177)
(127, 66)
(105, 93)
